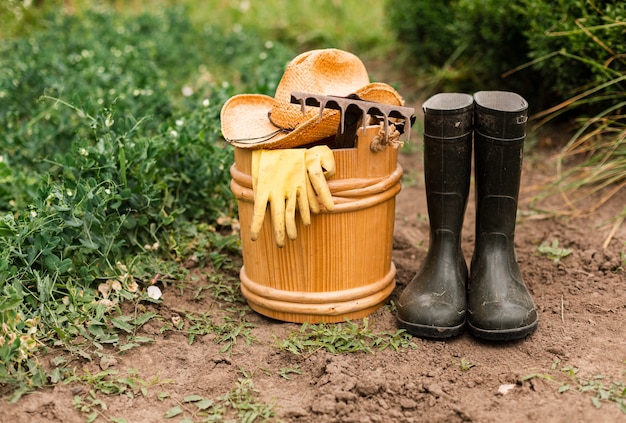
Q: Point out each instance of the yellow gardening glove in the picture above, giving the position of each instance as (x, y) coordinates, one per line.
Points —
(287, 178)
(320, 165)
(279, 177)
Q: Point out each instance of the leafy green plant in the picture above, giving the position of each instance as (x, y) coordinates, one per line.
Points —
(463, 45)
(228, 330)
(599, 389)
(342, 338)
(581, 40)
(112, 172)
(466, 364)
(284, 372)
(424, 27)
(108, 382)
(553, 251)
(241, 402)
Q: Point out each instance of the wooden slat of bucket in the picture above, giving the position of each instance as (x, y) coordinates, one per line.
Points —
(339, 251)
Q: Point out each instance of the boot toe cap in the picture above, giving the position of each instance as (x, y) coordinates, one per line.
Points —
(502, 320)
(425, 314)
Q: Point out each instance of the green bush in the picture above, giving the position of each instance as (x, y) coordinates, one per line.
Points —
(583, 55)
(425, 28)
(476, 41)
(547, 50)
(112, 169)
(491, 33)
(576, 43)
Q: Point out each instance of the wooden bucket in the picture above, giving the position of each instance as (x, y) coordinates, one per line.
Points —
(340, 266)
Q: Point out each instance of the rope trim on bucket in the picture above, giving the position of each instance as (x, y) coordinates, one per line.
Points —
(348, 194)
(318, 303)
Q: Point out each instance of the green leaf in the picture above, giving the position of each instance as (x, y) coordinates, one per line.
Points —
(122, 323)
(143, 318)
(55, 264)
(596, 402)
(192, 398)
(173, 412)
(128, 346)
(204, 404)
(10, 303)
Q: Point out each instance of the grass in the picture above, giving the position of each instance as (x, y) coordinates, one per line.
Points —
(343, 338)
(241, 403)
(596, 153)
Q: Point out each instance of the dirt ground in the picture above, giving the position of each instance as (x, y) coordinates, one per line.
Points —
(582, 307)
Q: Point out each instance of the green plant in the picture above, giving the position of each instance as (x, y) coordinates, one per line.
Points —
(286, 371)
(108, 382)
(591, 167)
(597, 387)
(465, 364)
(424, 27)
(241, 402)
(227, 329)
(342, 338)
(112, 173)
(463, 45)
(568, 31)
(553, 251)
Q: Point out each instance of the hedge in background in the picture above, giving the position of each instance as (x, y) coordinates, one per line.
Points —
(547, 50)
(576, 43)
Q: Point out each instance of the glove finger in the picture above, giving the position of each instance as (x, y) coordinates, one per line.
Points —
(321, 188)
(328, 163)
(277, 206)
(256, 160)
(303, 205)
(258, 216)
(290, 216)
(314, 204)
(323, 155)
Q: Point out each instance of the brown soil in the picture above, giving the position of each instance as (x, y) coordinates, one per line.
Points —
(581, 301)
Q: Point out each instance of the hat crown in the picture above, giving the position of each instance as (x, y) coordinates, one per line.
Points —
(325, 72)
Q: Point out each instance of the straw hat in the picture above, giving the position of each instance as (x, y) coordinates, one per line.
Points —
(256, 121)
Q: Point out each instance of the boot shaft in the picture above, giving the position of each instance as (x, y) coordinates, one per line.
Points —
(499, 132)
(447, 159)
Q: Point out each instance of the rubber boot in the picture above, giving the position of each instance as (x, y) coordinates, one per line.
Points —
(499, 304)
(433, 305)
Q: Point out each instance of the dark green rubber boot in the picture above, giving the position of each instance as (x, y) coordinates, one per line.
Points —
(433, 304)
(499, 304)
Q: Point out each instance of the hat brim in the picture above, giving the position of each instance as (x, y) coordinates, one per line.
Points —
(245, 122)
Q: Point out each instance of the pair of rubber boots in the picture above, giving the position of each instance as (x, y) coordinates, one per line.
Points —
(491, 299)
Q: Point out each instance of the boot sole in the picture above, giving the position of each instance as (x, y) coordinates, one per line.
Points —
(502, 335)
(435, 332)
